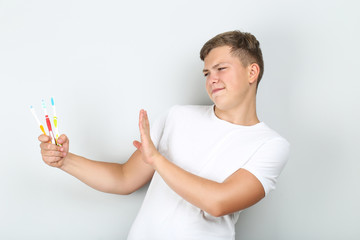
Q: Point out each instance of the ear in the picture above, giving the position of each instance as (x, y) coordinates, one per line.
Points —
(254, 71)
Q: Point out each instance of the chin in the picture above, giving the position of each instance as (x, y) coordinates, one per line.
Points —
(220, 105)
(224, 104)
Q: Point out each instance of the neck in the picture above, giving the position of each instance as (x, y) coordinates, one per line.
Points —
(244, 114)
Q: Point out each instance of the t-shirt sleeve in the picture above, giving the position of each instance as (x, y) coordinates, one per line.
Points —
(268, 162)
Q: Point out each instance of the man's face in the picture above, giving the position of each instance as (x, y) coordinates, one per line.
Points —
(227, 80)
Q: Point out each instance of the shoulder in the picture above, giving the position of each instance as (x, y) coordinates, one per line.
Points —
(266, 139)
(269, 159)
(271, 135)
(274, 145)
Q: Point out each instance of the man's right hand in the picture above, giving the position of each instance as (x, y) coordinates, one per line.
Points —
(104, 176)
(52, 154)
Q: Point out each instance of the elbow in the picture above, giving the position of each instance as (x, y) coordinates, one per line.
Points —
(221, 208)
(113, 191)
(123, 191)
(216, 209)
(116, 188)
(126, 188)
(216, 213)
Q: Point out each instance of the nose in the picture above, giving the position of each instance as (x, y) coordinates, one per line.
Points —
(213, 78)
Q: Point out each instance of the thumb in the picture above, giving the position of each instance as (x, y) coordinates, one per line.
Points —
(64, 141)
(44, 138)
(137, 144)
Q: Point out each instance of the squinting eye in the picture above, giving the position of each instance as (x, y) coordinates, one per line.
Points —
(206, 74)
(221, 68)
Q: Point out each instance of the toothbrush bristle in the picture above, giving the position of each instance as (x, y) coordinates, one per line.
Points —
(43, 103)
(52, 101)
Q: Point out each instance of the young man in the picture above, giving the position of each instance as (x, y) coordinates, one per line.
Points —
(205, 163)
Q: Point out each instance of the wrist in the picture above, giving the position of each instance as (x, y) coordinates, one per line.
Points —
(66, 160)
(158, 162)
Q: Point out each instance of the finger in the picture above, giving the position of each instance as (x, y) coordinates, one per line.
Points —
(52, 153)
(62, 139)
(141, 123)
(143, 120)
(142, 113)
(44, 138)
(146, 125)
(49, 147)
(147, 120)
(140, 117)
(50, 160)
(56, 164)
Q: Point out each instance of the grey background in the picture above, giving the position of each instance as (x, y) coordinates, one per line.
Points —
(104, 60)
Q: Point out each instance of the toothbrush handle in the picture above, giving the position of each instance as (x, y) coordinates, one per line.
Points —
(53, 139)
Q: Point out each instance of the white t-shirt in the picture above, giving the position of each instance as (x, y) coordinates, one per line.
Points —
(193, 138)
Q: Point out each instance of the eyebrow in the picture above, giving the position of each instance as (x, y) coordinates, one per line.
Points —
(215, 66)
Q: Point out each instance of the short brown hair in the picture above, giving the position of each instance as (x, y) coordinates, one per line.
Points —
(243, 45)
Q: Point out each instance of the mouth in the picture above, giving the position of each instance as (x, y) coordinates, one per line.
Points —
(216, 90)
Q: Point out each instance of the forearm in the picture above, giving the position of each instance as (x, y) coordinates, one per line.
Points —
(102, 176)
(201, 192)
(239, 191)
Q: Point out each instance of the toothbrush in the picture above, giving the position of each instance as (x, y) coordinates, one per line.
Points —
(55, 119)
(37, 119)
(48, 123)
